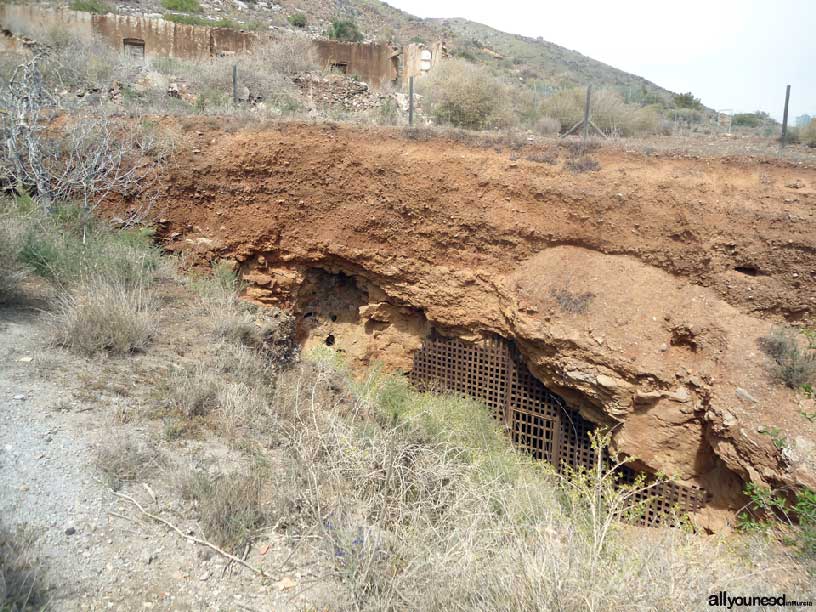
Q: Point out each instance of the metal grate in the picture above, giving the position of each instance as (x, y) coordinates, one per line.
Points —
(538, 420)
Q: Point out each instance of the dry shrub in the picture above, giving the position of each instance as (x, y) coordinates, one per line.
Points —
(287, 55)
(229, 506)
(572, 303)
(104, 315)
(465, 95)
(609, 112)
(577, 165)
(543, 157)
(808, 134)
(127, 460)
(22, 585)
(792, 365)
(548, 126)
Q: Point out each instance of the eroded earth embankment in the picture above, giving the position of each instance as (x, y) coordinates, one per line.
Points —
(638, 292)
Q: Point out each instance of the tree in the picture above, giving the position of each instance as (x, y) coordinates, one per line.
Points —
(344, 29)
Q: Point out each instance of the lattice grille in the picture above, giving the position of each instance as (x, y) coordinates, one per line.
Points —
(538, 420)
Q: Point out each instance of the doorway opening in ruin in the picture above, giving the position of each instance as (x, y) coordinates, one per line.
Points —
(339, 68)
(538, 421)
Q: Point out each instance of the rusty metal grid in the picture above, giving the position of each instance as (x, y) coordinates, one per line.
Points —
(539, 421)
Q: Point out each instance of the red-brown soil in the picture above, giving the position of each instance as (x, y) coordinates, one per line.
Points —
(639, 291)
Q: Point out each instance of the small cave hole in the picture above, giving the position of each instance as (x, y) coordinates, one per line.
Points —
(308, 315)
(333, 317)
(329, 340)
(749, 270)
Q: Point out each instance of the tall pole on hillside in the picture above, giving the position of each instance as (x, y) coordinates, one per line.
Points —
(411, 101)
(785, 118)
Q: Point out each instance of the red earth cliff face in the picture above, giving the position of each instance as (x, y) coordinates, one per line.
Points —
(638, 292)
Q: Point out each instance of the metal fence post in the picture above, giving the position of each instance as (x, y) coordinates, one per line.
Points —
(586, 112)
(785, 118)
(235, 83)
(411, 101)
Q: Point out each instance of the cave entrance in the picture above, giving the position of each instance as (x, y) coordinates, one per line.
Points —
(539, 421)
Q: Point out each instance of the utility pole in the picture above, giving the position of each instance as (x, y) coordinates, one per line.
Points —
(586, 113)
(785, 118)
(235, 83)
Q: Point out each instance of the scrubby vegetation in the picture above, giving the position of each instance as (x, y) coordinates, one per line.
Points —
(22, 585)
(298, 20)
(808, 134)
(466, 96)
(97, 7)
(183, 6)
(344, 30)
(793, 357)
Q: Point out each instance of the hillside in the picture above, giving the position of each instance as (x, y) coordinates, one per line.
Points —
(534, 60)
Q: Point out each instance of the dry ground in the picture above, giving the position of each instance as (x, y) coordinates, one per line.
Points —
(96, 551)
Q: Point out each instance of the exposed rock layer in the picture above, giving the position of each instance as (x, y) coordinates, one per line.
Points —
(638, 293)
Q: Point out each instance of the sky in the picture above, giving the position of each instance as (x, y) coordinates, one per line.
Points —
(736, 55)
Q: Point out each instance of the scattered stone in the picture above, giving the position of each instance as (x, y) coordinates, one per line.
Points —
(286, 583)
(70, 531)
(25, 359)
(19, 397)
(745, 396)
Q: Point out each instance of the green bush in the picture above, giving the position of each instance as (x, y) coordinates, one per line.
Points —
(344, 29)
(97, 7)
(183, 6)
(297, 20)
(747, 120)
(201, 21)
(687, 100)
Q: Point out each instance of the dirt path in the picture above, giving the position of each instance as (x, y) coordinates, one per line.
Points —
(92, 559)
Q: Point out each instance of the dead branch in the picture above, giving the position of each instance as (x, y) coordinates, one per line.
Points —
(199, 541)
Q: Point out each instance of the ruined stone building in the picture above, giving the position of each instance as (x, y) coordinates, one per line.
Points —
(144, 37)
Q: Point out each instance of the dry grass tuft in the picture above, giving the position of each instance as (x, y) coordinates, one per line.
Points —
(12, 272)
(127, 460)
(21, 579)
(579, 165)
(104, 316)
(228, 505)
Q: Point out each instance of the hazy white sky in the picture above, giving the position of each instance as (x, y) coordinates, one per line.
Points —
(733, 54)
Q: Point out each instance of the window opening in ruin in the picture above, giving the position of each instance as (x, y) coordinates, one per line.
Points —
(339, 68)
(134, 48)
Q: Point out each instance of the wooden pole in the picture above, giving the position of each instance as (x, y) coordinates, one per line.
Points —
(586, 112)
(235, 83)
(785, 117)
(411, 101)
